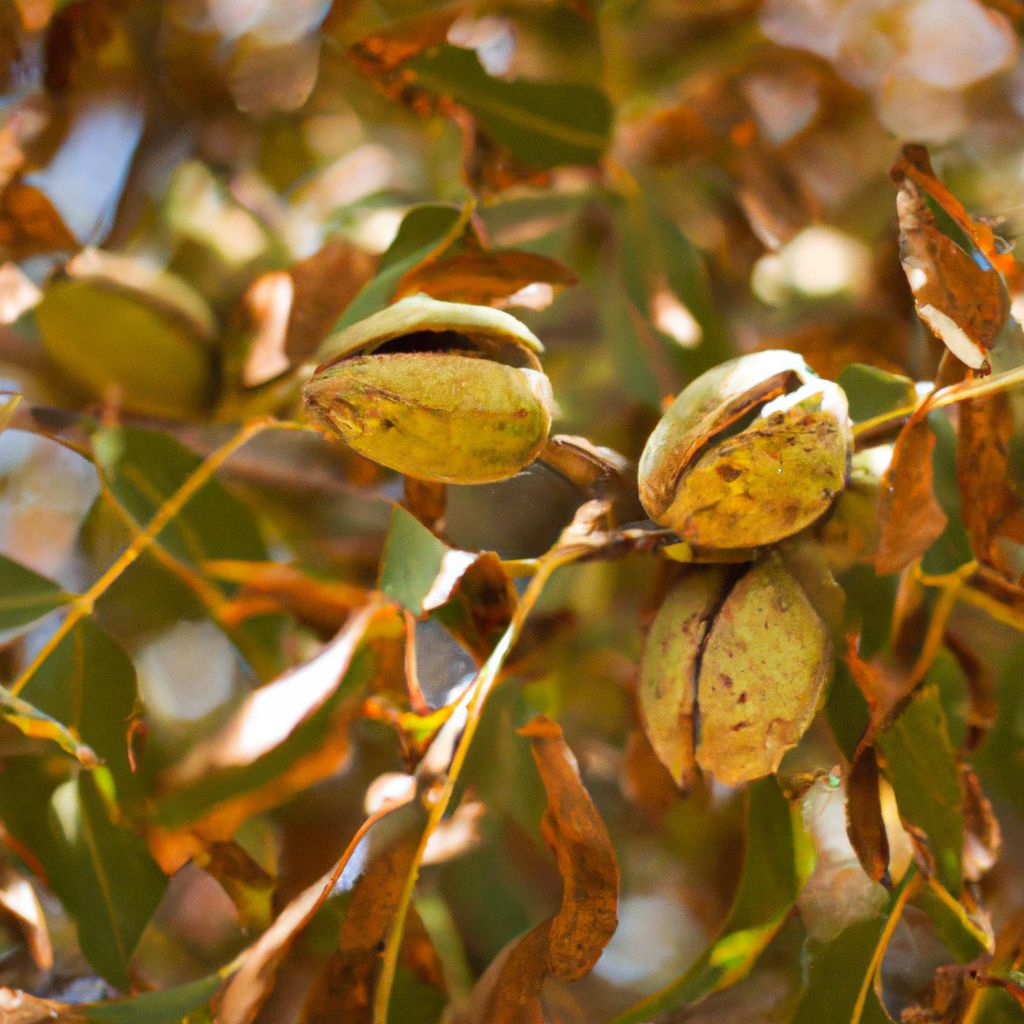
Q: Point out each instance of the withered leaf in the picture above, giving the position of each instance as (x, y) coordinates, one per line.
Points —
(486, 277)
(386, 837)
(568, 944)
(30, 223)
(344, 989)
(910, 518)
(250, 887)
(586, 860)
(990, 505)
(766, 660)
(963, 303)
(18, 898)
(864, 823)
(983, 837)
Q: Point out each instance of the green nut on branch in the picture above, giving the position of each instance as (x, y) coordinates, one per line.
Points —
(750, 452)
(441, 391)
(733, 671)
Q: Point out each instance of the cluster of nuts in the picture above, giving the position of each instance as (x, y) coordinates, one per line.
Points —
(749, 454)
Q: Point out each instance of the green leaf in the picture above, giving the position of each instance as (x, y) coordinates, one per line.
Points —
(921, 766)
(25, 596)
(836, 976)
(952, 549)
(113, 886)
(204, 793)
(545, 124)
(773, 872)
(145, 467)
(99, 868)
(961, 936)
(873, 392)
(8, 405)
(30, 721)
(423, 230)
(107, 337)
(411, 561)
(166, 1007)
(88, 684)
(998, 759)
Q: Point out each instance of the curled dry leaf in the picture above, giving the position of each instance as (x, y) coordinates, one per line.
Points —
(864, 823)
(733, 671)
(910, 518)
(30, 223)
(568, 944)
(990, 505)
(720, 482)
(489, 278)
(963, 301)
(18, 898)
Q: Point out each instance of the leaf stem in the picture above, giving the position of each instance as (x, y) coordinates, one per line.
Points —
(84, 603)
(474, 702)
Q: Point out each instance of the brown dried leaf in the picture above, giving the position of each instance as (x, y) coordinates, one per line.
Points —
(322, 605)
(568, 944)
(864, 823)
(30, 223)
(964, 304)
(381, 836)
(909, 516)
(983, 837)
(250, 887)
(590, 467)
(914, 164)
(586, 860)
(18, 1007)
(344, 989)
(990, 505)
(488, 278)
(18, 898)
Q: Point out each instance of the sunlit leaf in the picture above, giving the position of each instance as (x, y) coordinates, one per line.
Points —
(773, 872)
(543, 123)
(910, 517)
(425, 230)
(864, 823)
(156, 361)
(88, 684)
(25, 596)
(30, 721)
(921, 765)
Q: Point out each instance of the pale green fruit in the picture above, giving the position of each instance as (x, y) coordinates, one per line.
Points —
(719, 486)
(437, 416)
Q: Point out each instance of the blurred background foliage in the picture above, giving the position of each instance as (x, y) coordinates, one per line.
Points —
(192, 195)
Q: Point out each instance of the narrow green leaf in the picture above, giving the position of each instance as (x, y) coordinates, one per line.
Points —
(423, 229)
(771, 880)
(145, 467)
(873, 392)
(166, 1007)
(961, 936)
(544, 123)
(411, 561)
(30, 721)
(921, 765)
(25, 596)
(836, 977)
(952, 549)
(114, 885)
(88, 684)
(98, 867)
